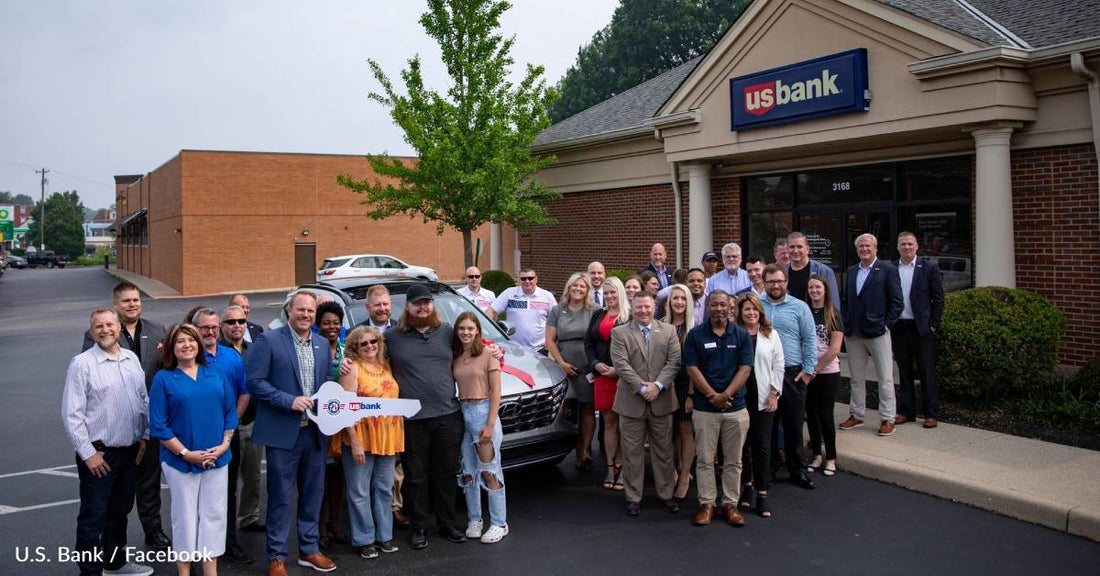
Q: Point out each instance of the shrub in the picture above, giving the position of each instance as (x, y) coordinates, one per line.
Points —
(993, 342)
(1086, 382)
(497, 281)
(621, 274)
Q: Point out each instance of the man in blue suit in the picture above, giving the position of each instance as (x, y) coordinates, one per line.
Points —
(911, 335)
(872, 303)
(285, 368)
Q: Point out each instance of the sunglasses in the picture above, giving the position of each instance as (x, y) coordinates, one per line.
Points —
(473, 276)
(365, 343)
(237, 321)
(527, 278)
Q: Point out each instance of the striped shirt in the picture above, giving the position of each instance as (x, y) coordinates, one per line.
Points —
(104, 400)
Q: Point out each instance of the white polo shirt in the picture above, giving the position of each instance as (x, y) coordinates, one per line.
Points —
(527, 313)
(483, 299)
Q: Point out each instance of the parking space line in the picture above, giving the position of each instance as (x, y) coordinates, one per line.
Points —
(39, 471)
(11, 510)
(60, 473)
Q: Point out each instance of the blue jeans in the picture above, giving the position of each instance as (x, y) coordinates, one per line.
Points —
(104, 505)
(370, 497)
(475, 414)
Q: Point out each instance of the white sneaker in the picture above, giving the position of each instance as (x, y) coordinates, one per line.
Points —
(130, 569)
(473, 529)
(494, 534)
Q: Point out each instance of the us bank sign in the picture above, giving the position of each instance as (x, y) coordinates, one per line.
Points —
(826, 86)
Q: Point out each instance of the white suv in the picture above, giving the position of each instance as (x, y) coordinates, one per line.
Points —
(371, 266)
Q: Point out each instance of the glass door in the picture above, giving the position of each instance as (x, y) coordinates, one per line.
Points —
(832, 234)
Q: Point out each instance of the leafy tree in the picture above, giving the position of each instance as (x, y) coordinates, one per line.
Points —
(645, 38)
(474, 165)
(64, 224)
(6, 197)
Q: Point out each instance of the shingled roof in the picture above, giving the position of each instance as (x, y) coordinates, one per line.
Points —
(1017, 23)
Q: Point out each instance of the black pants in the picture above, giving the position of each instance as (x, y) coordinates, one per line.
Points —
(104, 504)
(231, 500)
(820, 400)
(792, 406)
(757, 453)
(430, 459)
(148, 489)
(909, 345)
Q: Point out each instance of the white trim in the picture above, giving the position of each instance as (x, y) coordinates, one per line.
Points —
(993, 24)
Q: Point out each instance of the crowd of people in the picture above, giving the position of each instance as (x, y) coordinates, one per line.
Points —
(711, 370)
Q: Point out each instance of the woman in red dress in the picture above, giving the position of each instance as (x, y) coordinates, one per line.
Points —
(597, 346)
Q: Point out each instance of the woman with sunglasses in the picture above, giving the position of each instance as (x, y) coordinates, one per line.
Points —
(369, 448)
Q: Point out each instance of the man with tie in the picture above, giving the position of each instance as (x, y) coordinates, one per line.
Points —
(912, 335)
(596, 275)
(285, 367)
(646, 354)
(872, 303)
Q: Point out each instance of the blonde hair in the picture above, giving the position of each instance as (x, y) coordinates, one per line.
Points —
(352, 340)
(564, 300)
(689, 312)
(623, 313)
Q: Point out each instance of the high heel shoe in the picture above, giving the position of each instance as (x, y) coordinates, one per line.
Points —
(618, 485)
(609, 479)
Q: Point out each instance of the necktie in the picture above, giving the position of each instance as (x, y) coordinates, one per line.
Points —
(645, 334)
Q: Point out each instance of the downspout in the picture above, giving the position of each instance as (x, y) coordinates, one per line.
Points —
(1077, 64)
(677, 205)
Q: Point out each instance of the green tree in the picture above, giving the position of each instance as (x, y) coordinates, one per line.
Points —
(474, 165)
(64, 224)
(6, 197)
(645, 38)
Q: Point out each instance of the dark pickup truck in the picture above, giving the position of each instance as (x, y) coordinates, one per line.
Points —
(47, 259)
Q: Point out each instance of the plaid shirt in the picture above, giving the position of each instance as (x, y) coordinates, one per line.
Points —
(306, 367)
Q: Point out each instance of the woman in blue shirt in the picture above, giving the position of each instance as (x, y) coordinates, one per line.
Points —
(193, 413)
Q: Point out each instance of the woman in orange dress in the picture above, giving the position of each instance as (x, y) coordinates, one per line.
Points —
(369, 448)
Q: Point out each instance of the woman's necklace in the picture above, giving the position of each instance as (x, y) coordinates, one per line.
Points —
(374, 369)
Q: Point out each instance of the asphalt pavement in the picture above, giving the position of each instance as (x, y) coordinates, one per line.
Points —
(562, 522)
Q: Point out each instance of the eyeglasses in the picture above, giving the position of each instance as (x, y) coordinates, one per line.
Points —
(473, 276)
(208, 328)
(365, 343)
(775, 282)
(527, 278)
(237, 321)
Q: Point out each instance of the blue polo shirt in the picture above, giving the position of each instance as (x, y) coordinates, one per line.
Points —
(196, 411)
(230, 363)
(718, 358)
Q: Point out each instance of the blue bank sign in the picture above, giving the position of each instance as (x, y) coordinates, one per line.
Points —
(826, 86)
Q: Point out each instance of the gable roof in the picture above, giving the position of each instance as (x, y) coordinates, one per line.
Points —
(1015, 23)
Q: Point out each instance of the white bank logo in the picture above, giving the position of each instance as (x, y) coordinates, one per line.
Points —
(762, 98)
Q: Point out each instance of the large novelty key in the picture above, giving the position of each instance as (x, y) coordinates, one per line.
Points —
(335, 408)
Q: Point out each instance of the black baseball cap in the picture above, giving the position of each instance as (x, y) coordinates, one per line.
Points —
(418, 292)
(712, 255)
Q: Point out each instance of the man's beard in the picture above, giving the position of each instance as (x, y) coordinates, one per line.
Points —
(429, 321)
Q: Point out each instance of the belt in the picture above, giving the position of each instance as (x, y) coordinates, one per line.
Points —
(101, 447)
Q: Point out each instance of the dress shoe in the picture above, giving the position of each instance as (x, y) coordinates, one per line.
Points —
(257, 526)
(399, 518)
(704, 516)
(733, 516)
(453, 534)
(930, 423)
(801, 480)
(235, 553)
(157, 540)
(419, 539)
(670, 506)
(851, 422)
(276, 568)
(317, 561)
(886, 428)
(633, 508)
(902, 419)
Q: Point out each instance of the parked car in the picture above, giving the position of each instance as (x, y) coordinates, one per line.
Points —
(16, 261)
(372, 266)
(539, 421)
(46, 258)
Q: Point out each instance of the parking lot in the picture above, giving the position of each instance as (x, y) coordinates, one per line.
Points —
(562, 522)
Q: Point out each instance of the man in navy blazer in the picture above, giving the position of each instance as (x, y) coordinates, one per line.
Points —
(285, 368)
(657, 266)
(872, 303)
(911, 336)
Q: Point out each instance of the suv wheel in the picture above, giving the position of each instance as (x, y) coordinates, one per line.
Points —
(49, 264)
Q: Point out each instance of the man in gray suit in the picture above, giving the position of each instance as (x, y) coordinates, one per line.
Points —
(144, 338)
(646, 354)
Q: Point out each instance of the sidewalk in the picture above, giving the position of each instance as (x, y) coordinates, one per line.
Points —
(151, 288)
(1049, 484)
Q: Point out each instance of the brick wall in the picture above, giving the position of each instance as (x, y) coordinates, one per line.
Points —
(1054, 204)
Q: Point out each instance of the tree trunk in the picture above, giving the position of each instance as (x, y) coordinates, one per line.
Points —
(467, 249)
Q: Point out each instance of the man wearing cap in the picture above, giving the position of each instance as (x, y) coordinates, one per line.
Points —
(472, 291)
(710, 262)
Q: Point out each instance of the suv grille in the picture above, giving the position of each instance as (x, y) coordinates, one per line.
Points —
(531, 410)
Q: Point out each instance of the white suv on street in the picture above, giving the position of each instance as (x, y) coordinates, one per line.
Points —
(371, 266)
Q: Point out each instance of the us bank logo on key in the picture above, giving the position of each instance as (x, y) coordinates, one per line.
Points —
(826, 86)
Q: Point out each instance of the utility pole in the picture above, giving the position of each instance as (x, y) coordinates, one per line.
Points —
(42, 212)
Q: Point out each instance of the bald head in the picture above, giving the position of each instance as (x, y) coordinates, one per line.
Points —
(596, 274)
(657, 255)
(473, 278)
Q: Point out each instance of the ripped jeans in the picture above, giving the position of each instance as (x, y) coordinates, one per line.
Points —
(475, 414)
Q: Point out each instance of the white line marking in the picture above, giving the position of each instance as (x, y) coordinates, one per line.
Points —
(7, 510)
(60, 473)
(39, 471)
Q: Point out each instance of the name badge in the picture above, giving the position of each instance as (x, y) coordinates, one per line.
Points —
(710, 345)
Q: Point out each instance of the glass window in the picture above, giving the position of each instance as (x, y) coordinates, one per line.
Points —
(825, 237)
(943, 236)
(334, 263)
(389, 263)
(764, 230)
(770, 192)
(853, 184)
(939, 179)
(364, 262)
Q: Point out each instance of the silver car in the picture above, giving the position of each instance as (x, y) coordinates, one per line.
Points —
(539, 421)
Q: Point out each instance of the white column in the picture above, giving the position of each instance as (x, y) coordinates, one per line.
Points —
(994, 251)
(496, 249)
(700, 227)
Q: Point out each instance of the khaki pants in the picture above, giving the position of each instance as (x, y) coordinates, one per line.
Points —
(633, 431)
(879, 350)
(731, 428)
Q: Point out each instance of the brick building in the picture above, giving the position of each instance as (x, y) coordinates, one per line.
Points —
(974, 124)
(207, 222)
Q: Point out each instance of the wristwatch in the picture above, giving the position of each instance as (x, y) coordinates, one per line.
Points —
(775, 392)
(183, 452)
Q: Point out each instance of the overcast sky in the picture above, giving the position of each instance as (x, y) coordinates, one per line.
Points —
(95, 89)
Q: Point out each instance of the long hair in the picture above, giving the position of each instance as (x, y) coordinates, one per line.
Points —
(831, 322)
(689, 312)
(623, 312)
(168, 354)
(477, 346)
(752, 300)
(357, 335)
(564, 300)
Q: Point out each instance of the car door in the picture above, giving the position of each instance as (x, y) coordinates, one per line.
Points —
(391, 267)
(364, 267)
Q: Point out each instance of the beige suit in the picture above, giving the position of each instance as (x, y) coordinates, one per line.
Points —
(636, 363)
